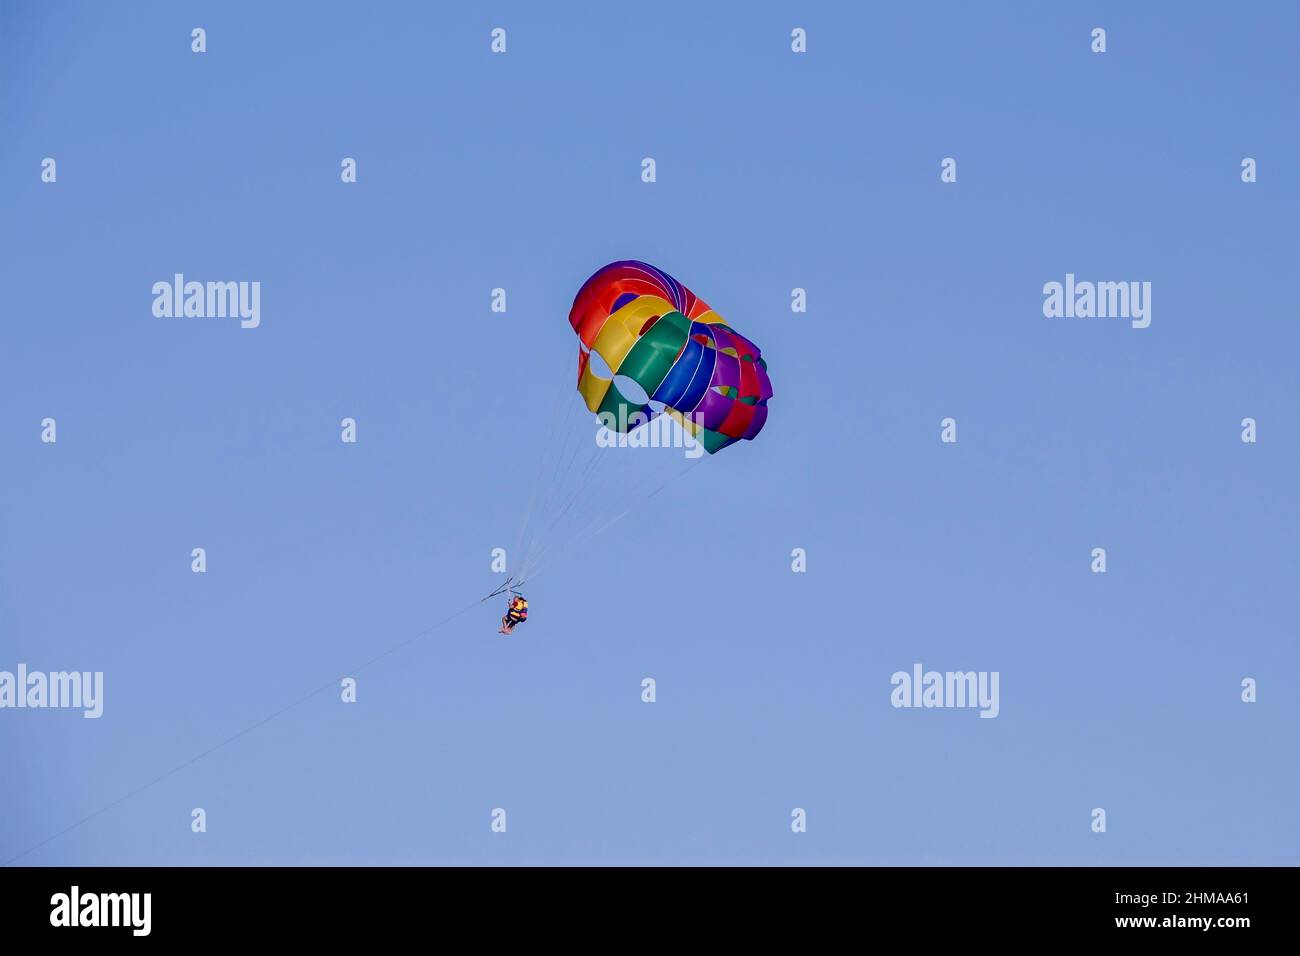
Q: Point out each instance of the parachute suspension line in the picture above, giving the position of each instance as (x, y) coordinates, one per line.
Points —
(576, 489)
(567, 496)
(508, 586)
(568, 466)
(593, 529)
(563, 454)
(586, 496)
(557, 411)
(522, 539)
(558, 462)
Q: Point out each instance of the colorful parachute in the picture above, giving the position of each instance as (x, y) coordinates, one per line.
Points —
(649, 328)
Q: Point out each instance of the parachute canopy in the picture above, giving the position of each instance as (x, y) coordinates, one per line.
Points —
(648, 328)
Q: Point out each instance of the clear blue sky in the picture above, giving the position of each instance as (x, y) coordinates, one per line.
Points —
(774, 171)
